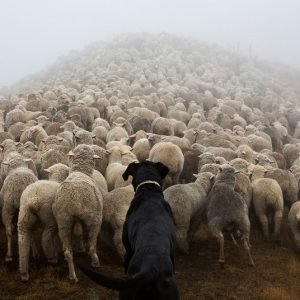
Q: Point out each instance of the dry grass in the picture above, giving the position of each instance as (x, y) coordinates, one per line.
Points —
(275, 276)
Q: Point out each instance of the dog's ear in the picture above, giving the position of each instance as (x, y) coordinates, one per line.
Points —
(131, 169)
(163, 170)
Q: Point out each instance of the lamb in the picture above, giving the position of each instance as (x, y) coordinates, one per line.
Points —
(79, 200)
(171, 156)
(18, 178)
(294, 222)
(227, 212)
(188, 203)
(267, 197)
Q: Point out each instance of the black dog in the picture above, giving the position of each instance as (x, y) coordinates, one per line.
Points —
(149, 239)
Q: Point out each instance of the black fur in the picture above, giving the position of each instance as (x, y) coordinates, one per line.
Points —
(149, 239)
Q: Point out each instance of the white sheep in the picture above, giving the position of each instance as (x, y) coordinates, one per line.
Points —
(188, 204)
(78, 200)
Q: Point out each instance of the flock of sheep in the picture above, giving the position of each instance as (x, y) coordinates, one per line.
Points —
(228, 129)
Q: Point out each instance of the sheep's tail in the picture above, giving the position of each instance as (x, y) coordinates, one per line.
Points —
(115, 283)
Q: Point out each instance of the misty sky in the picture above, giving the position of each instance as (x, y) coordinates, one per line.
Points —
(33, 33)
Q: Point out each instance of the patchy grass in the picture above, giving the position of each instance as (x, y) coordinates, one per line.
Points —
(275, 275)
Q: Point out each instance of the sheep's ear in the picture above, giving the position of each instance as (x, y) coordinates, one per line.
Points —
(6, 163)
(212, 177)
(237, 172)
(96, 157)
(195, 175)
(71, 153)
(163, 170)
(131, 169)
(47, 171)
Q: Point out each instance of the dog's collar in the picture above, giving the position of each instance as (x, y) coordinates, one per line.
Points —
(145, 182)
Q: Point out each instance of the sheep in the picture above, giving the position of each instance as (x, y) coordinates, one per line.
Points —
(190, 166)
(291, 152)
(265, 160)
(227, 212)
(16, 130)
(245, 152)
(83, 137)
(227, 153)
(171, 156)
(100, 164)
(287, 182)
(115, 169)
(294, 220)
(115, 206)
(116, 134)
(18, 178)
(205, 158)
(185, 142)
(58, 172)
(37, 134)
(36, 204)
(14, 116)
(78, 200)
(267, 199)
(188, 203)
(279, 158)
(141, 149)
(162, 126)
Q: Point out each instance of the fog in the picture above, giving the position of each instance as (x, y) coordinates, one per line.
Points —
(33, 33)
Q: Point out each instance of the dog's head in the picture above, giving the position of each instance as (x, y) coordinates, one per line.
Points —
(147, 170)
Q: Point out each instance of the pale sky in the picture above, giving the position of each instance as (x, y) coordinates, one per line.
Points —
(33, 33)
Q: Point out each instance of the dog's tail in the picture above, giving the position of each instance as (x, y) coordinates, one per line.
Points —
(115, 283)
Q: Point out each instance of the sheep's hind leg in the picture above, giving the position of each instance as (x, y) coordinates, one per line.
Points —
(220, 237)
(65, 233)
(277, 223)
(247, 247)
(9, 230)
(93, 231)
(265, 225)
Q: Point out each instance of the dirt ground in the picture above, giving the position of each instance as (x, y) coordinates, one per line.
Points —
(276, 274)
